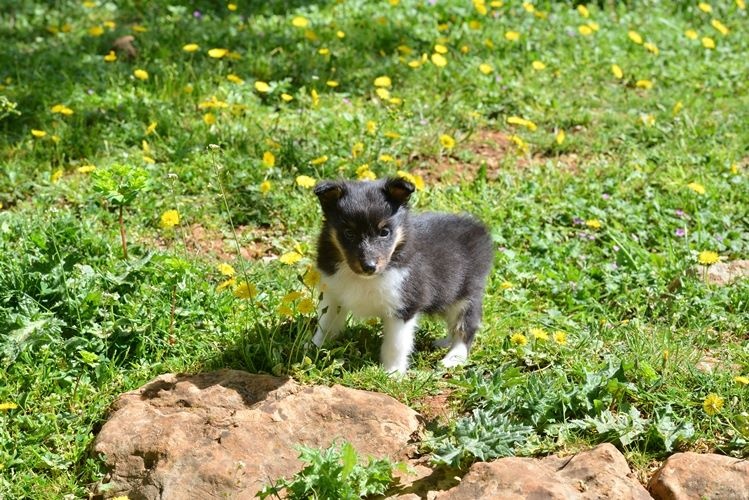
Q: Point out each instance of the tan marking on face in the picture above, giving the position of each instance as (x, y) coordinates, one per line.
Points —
(383, 261)
(354, 265)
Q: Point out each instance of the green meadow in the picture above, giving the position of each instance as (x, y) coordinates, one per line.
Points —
(156, 212)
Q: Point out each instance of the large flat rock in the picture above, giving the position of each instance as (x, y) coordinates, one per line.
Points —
(225, 434)
(598, 473)
(696, 476)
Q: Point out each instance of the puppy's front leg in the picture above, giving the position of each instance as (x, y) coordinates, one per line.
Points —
(397, 344)
(331, 319)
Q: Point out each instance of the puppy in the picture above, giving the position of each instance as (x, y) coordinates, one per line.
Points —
(377, 259)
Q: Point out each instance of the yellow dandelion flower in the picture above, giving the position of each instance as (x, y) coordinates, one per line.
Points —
(741, 380)
(306, 306)
(61, 109)
(8, 406)
(371, 127)
(311, 277)
(516, 120)
(319, 160)
(644, 84)
(286, 97)
(560, 137)
(438, 60)
(111, 57)
(617, 71)
(290, 258)
(506, 285)
(232, 7)
(217, 53)
(269, 159)
(560, 337)
(512, 36)
(583, 10)
(722, 28)
(226, 284)
(148, 159)
(712, 404)
(585, 30)
(708, 42)
(518, 339)
(635, 37)
(416, 180)
(340, 34)
(265, 187)
(705, 7)
(696, 187)
(538, 65)
(209, 118)
(300, 22)
(245, 291)
(331, 83)
(191, 47)
(741, 4)
(96, 31)
(678, 106)
(234, 79)
(363, 173)
(651, 47)
(383, 81)
(139, 29)
(357, 149)
(305, 181)
(691, 34)
(383, 93)
(593, 223)
(315, 97)
(38, 133)
(169, 219)
(86, 169)
(486, 68)
(324, 51)
(141, 74)
(262, 87)
(708, 257)
(226, 269)
(520, 144)
(292, 297)
(594, 26)
(285, 310)
(56, 176)
(539, 334)
(447, 141)
(440, 49)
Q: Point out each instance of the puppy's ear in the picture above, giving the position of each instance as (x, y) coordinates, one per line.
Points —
(399, 189)
(328, 192)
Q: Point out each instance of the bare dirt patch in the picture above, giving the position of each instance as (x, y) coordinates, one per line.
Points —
(253, 243)
(493, 150)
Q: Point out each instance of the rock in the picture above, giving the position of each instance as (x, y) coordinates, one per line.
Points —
(227, 433)
(724, 273)
(598, 473)
(692, 475)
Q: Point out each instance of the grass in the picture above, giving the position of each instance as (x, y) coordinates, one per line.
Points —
(597, 230)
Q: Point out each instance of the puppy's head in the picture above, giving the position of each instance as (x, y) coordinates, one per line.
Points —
(365, 221)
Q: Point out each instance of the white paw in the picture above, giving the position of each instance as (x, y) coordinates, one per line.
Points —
(453, 360)
(443, 342)
(456, 356)
(319, 338)
(395, 371)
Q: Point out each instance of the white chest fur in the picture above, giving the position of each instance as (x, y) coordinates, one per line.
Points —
(366, 296)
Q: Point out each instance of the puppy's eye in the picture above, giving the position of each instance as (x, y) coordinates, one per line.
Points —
(384, 232)
(348, 234)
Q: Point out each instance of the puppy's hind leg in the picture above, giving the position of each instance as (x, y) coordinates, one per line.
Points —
(331, 319)
(462, 324)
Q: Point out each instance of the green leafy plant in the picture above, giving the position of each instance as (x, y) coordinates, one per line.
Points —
(334, 472)
(120, 184)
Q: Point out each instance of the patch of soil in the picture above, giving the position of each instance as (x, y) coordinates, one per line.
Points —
(492, 148)
(254, 243)
(436, 408)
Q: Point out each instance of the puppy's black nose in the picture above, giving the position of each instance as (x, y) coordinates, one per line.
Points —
(368, 266)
